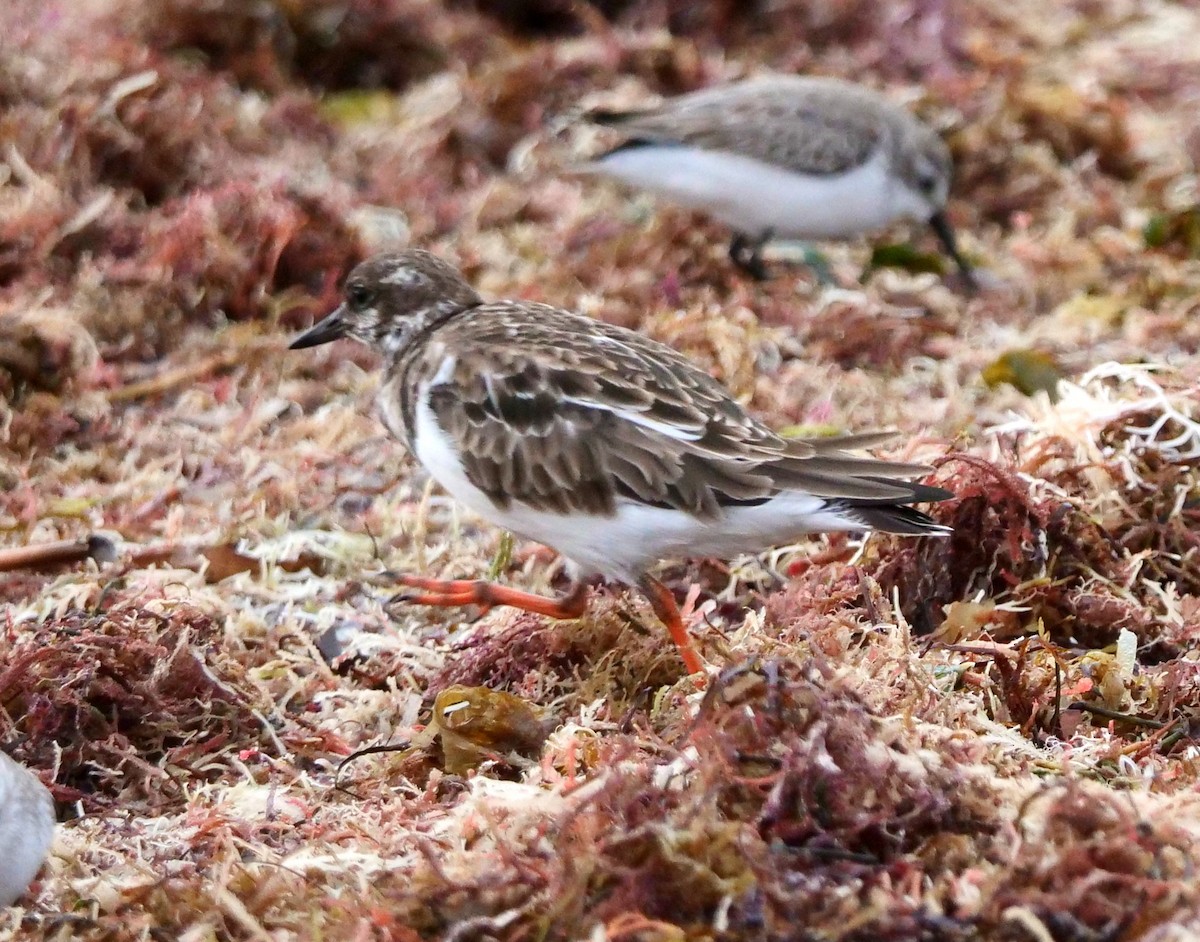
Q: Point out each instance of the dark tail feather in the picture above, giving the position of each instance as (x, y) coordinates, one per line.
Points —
(898, 519)
(921, 493)
(618, 120)
(609, 118)
(631, 144)
(893, 517)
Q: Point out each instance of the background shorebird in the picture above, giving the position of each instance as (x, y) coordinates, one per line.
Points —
(790, 156)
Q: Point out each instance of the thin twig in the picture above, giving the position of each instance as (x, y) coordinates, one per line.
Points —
(59, 553)
(1116, 715)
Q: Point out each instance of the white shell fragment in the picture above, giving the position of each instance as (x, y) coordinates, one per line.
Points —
(26, 828)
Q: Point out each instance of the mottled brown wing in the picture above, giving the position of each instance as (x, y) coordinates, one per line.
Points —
(568, 414)
(810, 126)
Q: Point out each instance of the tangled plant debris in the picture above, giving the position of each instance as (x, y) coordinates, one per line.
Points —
(991, 735)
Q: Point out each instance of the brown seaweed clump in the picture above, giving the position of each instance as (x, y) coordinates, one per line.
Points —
(790, 787)
(1072, 570)
(988, 736)
(147, 194)
(126, 703)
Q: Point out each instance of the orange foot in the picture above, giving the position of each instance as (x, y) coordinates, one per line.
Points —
(452, 592)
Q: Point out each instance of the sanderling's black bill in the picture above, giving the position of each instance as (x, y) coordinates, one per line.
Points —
(941, 225)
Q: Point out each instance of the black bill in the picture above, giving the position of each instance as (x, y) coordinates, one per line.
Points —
(941, 225)
(329, 328)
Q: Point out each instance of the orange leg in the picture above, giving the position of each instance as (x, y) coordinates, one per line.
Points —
(451, 592)
(663, 603)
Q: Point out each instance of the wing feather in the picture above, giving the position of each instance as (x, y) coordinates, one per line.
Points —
(568, 414)
(804, 124)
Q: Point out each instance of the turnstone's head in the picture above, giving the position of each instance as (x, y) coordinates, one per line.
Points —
(388, 298)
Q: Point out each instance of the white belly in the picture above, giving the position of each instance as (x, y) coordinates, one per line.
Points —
(623, 546)
(754, 197)
(636, 537)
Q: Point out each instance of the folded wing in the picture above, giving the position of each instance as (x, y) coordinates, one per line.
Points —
(610, 416)
(808, 126)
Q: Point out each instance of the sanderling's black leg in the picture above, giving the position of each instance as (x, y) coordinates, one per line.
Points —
(746, 254)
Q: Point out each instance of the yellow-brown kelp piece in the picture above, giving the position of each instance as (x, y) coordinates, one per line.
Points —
(477, 723)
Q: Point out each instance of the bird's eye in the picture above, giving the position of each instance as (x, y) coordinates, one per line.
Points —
(359, 295)
(927, 183)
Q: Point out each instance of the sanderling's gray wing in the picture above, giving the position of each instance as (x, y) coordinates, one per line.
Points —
(806, 125)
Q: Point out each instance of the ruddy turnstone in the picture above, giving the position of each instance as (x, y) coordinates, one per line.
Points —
(26, 828)
(608, 446)
(794, 156)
